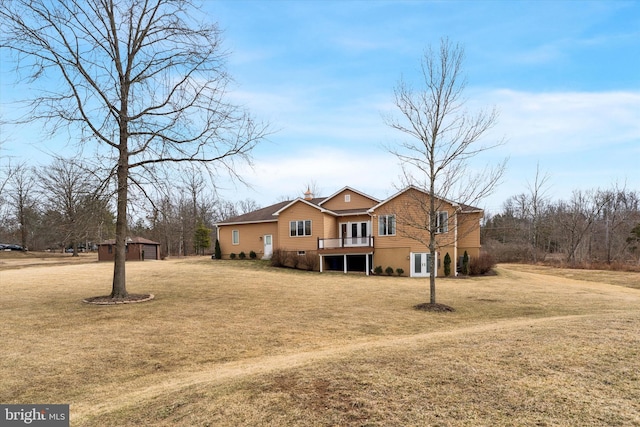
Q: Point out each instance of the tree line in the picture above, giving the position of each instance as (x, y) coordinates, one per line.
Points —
(590, 227)
(66, 205)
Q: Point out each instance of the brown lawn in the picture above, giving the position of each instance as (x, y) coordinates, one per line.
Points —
(228, 343)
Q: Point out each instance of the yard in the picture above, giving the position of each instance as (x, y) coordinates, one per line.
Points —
(228, 343)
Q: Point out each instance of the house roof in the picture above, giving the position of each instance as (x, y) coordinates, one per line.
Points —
(270, 213)
(140, 240)
(260, 215)
(463, 207)
(348, 189)
(315, 203)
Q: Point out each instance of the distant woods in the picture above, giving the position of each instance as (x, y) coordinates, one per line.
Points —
(592, 228)
(64, 205)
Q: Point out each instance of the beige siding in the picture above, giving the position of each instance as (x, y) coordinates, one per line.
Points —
(397, 257)
(330, 227)
(251, 238)
(469, 229)
(357, 201)
(411, 211)
(300, 211)
(412, 207)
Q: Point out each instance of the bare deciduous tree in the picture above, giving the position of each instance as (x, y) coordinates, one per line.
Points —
(443, 138)
(22, 185)
(75, 194)
(538, 199)
(144, 79)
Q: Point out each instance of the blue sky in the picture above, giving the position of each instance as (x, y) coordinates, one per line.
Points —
(565, 76)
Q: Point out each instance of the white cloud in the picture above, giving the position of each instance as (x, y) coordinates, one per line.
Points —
(287, 173)
(565, 122)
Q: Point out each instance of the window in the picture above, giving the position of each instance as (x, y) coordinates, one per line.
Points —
(347, 198)
(386, 225)
(235, 237)
(300, 228)
(442, 222)
(301, 253)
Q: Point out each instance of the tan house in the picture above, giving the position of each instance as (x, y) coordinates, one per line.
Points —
(351, 231)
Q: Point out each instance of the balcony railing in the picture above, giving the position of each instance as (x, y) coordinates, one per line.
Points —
(345, 242)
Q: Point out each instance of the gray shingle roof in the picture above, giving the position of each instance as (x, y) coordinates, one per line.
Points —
(260, 215)
(141, 240)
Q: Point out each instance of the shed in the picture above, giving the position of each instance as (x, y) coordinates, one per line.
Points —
(138, 249)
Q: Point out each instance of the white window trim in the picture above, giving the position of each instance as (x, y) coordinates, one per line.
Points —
(235, 237)
(386, 219)
(304, 228)
(440, 227)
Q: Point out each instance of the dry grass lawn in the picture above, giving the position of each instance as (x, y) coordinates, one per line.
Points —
(236, 343)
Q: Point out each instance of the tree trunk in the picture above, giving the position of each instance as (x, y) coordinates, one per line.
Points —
(432, 238)
(119, 289)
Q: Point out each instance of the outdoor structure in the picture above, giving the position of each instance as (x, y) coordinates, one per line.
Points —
(351, 231)
(138, 249)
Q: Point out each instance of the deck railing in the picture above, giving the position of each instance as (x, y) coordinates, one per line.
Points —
(345, 242)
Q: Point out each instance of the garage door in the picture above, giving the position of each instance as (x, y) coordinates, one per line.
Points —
(150, 251)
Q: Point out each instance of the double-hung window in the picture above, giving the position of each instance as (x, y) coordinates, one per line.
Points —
(442, 222)
(300, 228)
(386, 225)
(235, 237)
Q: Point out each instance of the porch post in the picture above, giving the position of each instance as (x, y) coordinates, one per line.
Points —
(345, 263)
(321, 262)
(366, 264)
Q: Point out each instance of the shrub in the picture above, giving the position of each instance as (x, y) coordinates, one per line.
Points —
(483, 264)
(252, 255)
(292, 259)
(465, 264)
(218, 251)
(278, 257)
(378, 270)
(232, 255)
(310, 261)
(242, 255)
(399, 271)
(389, 271)
(447, 265)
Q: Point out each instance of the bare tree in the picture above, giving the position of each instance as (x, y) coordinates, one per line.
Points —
(575, 220)
(538, 200)
(22, 185)
(75, 194)
(145, 79)
(443, 138)
(246, 206)
(617, 218)
(225, 209)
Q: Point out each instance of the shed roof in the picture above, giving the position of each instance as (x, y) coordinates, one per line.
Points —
(139, 240)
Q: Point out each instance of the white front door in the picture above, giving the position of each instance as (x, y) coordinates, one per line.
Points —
(420, 262)
(268, 246)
